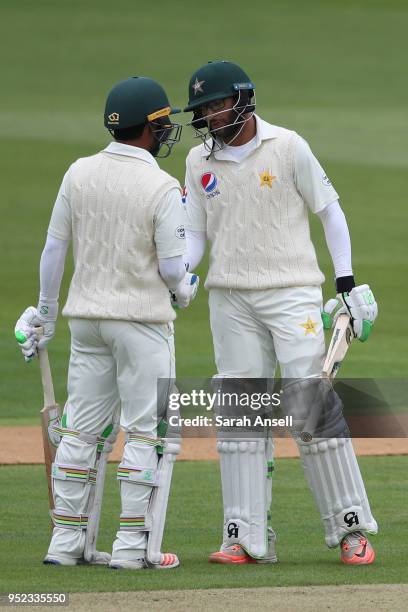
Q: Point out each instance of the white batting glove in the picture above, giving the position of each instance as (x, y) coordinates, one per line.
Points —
(359, 304)
(185, 291)
(25, 334)
(44, 316)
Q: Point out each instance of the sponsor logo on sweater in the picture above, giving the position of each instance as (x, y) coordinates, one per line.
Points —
(209, 183)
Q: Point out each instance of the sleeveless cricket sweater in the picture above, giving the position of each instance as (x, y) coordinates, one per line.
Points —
(113, 199)
(257, 222)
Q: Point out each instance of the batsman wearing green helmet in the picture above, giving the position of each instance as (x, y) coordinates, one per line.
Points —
(250, 186)
(125, 218)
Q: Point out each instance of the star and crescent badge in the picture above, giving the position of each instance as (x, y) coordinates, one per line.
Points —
(197, 86)
(266, 179)
(309, 326)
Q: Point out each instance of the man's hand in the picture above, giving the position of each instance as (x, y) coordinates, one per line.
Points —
(44, 316)
(360, 304)
(185, 291)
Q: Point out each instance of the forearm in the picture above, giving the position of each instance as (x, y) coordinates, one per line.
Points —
(196, 242)
(172, 270)
(52, 268)
(338, 242)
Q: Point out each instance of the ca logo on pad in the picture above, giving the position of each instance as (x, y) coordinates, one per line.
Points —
(232, 530)
(209, 182)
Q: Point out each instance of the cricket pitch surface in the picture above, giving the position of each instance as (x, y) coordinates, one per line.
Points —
(23, 445)
(381, 597)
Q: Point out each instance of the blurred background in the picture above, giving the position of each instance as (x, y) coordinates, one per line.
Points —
(331, 70)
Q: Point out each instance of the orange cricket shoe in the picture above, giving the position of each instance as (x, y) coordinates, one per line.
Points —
(356, 549)
(234, 555)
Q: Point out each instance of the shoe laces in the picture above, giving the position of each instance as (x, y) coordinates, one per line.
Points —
(352, 539)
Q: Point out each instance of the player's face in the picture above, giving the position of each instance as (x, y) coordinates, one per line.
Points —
(219, 115)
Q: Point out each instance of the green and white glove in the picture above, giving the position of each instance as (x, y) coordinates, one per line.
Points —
(185, 291)
(45, 316)
(360, 304)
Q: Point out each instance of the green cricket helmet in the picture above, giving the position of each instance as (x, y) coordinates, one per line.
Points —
(216, 81)
(134, 101)
(138, 100)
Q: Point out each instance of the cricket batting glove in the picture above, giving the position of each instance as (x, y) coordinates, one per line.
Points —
(359, 304)
(45, 316)
(185, 291)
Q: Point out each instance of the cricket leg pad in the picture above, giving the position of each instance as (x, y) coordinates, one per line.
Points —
(315, 408)
(74, 480)
(145, 476)
(105, 444)
(246, 487)
(73, 476)
(139, 460)
(158, 506)
(335, 480)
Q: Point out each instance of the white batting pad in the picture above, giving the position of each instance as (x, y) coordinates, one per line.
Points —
(145, 477)
(71, 495)
(159, 500)
(334, 477)
(246, 493)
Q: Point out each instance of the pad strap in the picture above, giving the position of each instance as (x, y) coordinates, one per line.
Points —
(129, 522)
(77, 473)
(145, 440)
(137, 474)
(60, 518)
(105, 444)
(73, 433)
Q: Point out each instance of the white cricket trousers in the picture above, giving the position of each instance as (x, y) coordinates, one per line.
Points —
(253, 330)
(112, 364)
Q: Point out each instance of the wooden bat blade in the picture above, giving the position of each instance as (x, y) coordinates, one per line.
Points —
(339, 344)
(50, 416)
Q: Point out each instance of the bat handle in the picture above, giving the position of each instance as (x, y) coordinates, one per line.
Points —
(46, 378)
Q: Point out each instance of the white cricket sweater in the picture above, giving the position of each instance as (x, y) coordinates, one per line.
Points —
(257, 222)
(113, 200)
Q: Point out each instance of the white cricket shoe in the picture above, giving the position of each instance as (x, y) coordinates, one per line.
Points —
(99, 558)
(168, 561)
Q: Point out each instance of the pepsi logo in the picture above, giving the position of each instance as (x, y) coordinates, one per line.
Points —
(209, 182)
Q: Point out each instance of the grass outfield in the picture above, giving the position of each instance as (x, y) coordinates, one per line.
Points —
(330, 70)
(194, 528)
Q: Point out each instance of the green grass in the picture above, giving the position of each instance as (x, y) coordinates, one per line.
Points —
(330, 70)
(334, 72)
(193, 531)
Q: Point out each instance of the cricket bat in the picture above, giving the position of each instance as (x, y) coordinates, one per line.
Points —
(338, 347)
(50, 415)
